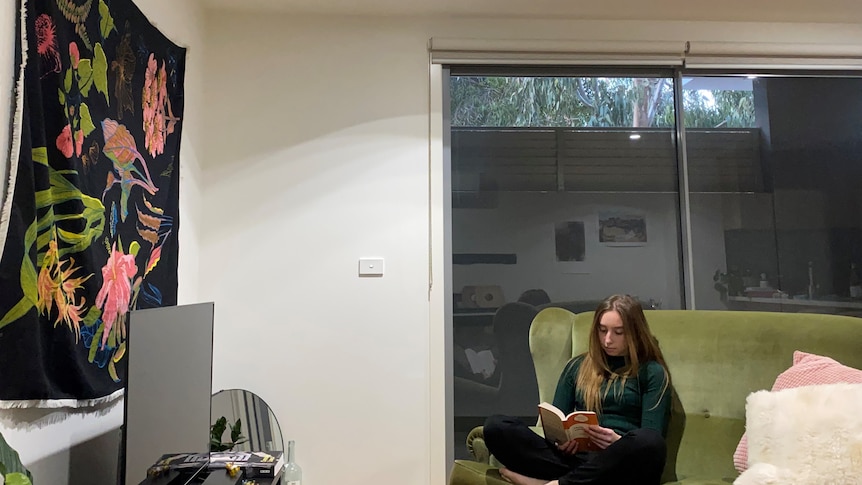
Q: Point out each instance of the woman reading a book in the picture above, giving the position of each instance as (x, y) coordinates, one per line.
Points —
(624, 379)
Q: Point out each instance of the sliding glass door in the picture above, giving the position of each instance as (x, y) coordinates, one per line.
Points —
(568, 186)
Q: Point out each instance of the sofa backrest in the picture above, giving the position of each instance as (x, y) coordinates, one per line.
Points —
(518, 387)
(716, 358)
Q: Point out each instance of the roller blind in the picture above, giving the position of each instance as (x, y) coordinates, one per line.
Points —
(539, 52)
(692, 55)
(730, 55)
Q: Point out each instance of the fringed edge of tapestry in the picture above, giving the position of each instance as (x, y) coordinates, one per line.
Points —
(17, 121)
(62, 403)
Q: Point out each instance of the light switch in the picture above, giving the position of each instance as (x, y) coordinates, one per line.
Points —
(370, 266)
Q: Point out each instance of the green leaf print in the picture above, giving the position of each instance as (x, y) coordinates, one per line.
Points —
(106, 22)
(100, 71)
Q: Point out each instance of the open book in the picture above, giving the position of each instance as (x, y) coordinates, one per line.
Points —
(560, 428)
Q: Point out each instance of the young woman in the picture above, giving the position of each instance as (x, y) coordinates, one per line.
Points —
(624, 379)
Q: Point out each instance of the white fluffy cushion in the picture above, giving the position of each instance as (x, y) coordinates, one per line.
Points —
(804, 436)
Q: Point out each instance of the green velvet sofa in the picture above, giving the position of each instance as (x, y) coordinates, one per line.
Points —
(716, 358)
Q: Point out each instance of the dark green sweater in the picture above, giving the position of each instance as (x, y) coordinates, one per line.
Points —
(635, 408)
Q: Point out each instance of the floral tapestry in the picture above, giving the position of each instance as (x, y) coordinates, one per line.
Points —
(90, 213)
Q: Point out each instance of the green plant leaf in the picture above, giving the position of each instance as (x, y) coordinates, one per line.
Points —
(94, 344)
(28, 281)
(112, 336)
(236, 431)
(40, 155)
(92, 315)
(72, 238)
(218, 428)
(86, 120)
(85, 76)
(100, 71)
(62, 96)
(106, 22)
(17, 479)
(112, 371)
(67, 80)
(19, 310)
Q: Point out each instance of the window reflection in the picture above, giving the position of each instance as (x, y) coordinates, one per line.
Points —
(784, 233)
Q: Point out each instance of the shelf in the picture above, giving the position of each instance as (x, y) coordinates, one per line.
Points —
(807, 303)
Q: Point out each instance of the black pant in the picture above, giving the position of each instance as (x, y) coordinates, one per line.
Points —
(637, 458)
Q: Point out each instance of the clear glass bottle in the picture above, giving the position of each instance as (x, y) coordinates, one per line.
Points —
(292, 474)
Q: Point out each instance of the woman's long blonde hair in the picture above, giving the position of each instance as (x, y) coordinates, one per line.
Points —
(642, 348)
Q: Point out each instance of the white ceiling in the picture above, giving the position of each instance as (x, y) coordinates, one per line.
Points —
(840, 11)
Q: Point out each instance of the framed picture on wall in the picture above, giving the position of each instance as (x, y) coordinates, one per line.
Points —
(622, 228)
(569, 241)
(570, 247)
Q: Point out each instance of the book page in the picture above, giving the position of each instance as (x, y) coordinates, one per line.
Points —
(553, 427)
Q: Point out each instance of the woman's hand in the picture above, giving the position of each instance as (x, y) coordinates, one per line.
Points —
(569, 447)
(602, 437)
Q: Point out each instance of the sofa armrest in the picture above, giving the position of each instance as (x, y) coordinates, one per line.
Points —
(476, 446)
(474, 389)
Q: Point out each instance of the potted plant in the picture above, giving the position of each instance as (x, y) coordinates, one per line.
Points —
(218, 429)
(12, 471)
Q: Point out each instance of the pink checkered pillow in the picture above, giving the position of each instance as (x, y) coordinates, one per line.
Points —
(807, 370)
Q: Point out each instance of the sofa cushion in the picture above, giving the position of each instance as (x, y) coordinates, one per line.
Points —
(807, 369)
(808, 435)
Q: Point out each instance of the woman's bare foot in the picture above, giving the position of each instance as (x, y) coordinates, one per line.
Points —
(519, 479)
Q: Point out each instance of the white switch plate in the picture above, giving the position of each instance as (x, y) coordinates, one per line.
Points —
(370, 266)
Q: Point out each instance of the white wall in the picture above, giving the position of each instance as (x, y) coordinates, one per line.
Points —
(56, 444)
(7, 74)
(523, 223)
(318, 155)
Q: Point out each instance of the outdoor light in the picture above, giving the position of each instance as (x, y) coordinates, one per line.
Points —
(634, 136)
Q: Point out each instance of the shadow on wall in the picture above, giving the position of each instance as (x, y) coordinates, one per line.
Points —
(87, 463)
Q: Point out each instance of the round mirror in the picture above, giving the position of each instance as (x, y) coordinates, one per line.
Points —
(242, 421)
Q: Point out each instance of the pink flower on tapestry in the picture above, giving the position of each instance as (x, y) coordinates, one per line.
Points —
(65, 145)
(116, 289)
(74, 54)
(46, 43)
(154, 97)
